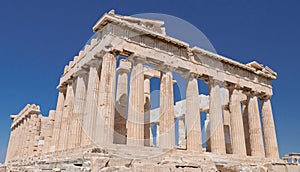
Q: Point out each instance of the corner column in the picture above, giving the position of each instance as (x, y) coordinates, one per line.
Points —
(192, 117)
(66, 115)
(106, 99)
(269, 129)
(255, 132)
(217, 140)
(166, 123)
(58, 117)
(135, 130)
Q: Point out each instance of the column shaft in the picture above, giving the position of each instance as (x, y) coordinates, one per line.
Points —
(121, 107)
(79, 104)
(135, 135)
(58, 118)
(217, 139)
(106, 99)
(166, 123)
(147, 126)
(181, 133)
(236, 125)
(207, 133)
(255, 133)
(227, 132)
(90, 112)
(269, 129)
(192, 117)
(66, 115)
(246, 128)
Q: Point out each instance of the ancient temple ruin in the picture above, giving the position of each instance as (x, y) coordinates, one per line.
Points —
(104, 102)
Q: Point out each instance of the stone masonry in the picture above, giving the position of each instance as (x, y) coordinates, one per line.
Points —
(103, 108)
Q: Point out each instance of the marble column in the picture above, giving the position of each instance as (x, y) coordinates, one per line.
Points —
(135, 123)
(90, 112)
(17, 144)
(236, 124)
(217, 139)
(157, 134)
(22, 139)
(227, 132)
(255, 132)
(79, 105)
(207, 133)
(151, 135)
(192, 117)
(10, 144)
(120, 135)
(67, 113)
(246, 127)
(166, 121)
(58, 117)
(181, 132)
(270, 139)
(106, 101)
(147, 126)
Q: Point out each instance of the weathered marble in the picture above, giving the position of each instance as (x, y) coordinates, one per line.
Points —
(107, 120)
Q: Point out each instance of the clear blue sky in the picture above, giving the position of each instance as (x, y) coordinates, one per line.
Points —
(37, 38)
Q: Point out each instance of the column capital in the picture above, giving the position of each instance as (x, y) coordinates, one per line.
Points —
(124, 67)
(81, 71)
(94, 63)
(215, 81)
(265, 97)
(62, 88)
(99, 55)
(165, 68)
(190, 74)
(136, 58)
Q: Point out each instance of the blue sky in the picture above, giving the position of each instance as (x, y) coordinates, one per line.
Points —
(37, 38)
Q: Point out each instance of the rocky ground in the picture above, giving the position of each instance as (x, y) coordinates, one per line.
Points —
(144, 159)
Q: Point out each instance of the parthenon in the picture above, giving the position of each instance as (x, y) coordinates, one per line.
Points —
(104, 99)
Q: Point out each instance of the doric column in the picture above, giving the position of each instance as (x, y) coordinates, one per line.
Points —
(147, 126)
(166, 121)
(217, 139)
(135, 130)
(227, 135)
(106, 99)
(236, 124)
(26, 135)
(16, 143)
(246, 127)
(157, 134)
(151, 135)
(255, 133)
(22, 139)
(79, 105)
(181, 132)
(121, 103)
(66, 115)
(90, 112)
(192, 117)
(58, 117)
(207, 132)
(270, 139)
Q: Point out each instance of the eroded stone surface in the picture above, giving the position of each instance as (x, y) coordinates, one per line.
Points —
(95, 127)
